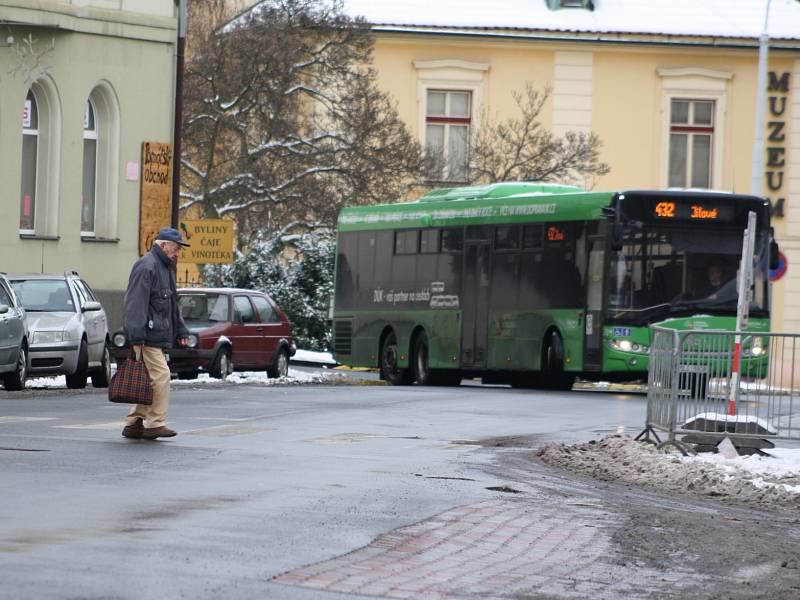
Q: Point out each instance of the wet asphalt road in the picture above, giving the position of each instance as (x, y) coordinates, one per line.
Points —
(260, 480)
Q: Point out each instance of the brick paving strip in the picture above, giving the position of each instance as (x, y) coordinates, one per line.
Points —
(501, 548)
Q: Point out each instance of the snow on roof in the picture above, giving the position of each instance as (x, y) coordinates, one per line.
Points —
(707, 18)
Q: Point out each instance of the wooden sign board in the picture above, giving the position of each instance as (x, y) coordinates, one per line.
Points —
(155, 206)
(211, 241)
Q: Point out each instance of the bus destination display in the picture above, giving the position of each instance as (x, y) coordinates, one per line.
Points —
(692, 211)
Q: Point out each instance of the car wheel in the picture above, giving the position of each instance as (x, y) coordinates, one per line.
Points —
(280, 368)
(15, 381)
(222, 365)
(77, 381)
(389, 356)
(422, 371)
(102, 376)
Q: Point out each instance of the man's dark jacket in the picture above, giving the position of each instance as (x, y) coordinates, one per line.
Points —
(151, 313)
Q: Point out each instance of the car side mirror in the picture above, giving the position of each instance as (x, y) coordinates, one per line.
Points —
(3, 309)
(90, 306)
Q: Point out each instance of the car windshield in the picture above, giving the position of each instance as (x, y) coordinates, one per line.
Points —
(663, 273)
(44, 295)
(204, 307)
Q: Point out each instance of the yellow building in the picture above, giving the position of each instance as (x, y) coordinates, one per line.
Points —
(671, 88)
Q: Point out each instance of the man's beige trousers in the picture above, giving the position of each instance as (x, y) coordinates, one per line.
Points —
(154, 415)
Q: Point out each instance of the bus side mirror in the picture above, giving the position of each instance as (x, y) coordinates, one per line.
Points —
(773, 255)
(616, 237)
(617, 231)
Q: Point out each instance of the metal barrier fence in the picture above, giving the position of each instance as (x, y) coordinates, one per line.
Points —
(689, 387)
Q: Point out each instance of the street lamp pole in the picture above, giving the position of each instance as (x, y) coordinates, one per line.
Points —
(176, 138)
(761, 92)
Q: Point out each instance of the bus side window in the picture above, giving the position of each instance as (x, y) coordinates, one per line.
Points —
(506, 237)
(533, 236)
(429, 241)
(384, 246)
(406, 241)
(366, 260)
(452, 240)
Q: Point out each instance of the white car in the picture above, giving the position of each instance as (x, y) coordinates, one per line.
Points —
(67, 327)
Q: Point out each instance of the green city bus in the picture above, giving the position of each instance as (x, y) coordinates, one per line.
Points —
(534, 285)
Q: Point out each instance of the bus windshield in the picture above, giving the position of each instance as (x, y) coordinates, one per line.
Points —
(670, 272)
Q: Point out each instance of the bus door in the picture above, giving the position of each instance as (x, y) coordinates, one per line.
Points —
(593, 320)
(475, 296)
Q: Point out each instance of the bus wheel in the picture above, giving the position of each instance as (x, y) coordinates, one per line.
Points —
(553, 375)
(389, 356)
(422, 372)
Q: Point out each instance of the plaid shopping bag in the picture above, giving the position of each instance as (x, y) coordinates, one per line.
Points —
(131, 383)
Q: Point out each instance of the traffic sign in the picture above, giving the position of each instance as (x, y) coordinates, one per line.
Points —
(780, 271)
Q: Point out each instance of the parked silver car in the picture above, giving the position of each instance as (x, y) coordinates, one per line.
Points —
(68, 328)
(13, 339)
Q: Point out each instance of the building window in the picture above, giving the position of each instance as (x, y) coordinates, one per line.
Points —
(447, 131)
(690, 143)
(40, 160)
(101, 151)
(89, 169)
(30, 151)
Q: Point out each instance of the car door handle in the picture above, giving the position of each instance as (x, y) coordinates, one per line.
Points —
(259, 329)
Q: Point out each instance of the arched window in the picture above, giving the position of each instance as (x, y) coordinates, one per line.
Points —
(90, 136)
(30, 151)
(101, 127)
(39, 161)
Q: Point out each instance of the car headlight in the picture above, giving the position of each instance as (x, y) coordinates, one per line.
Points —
(193, 341)
(119, 340)
(48, 337)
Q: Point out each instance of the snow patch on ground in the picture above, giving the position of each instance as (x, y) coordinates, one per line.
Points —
(768, 482)
(296, 377)
(320, 358)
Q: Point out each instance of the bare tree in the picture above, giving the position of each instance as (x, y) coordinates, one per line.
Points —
(521, 149)
(284, 121)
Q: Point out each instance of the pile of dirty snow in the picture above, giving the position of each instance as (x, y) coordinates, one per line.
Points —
(760, 481)
(296, 377)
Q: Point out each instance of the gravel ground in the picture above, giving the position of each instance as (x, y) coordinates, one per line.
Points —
(619, 458)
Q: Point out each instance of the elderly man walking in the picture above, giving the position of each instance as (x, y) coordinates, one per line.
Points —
(153, 323)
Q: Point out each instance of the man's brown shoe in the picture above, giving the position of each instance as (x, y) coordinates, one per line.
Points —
(157, 432)
(134, 430)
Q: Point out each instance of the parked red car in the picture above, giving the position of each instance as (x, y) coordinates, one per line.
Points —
(231, 330)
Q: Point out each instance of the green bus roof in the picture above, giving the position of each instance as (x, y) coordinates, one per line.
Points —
(481, 205)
